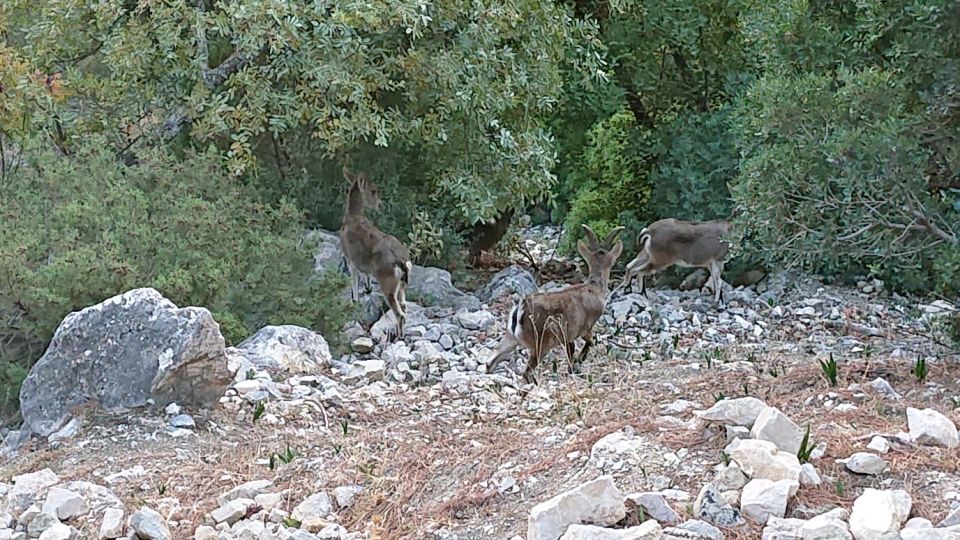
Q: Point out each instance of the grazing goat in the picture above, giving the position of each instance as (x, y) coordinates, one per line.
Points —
(372, 251)
(690, 244)
(542, 321)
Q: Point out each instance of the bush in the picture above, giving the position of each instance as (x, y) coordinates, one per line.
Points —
(82, 228)
(834, 179)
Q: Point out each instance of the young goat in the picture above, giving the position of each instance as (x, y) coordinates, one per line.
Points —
(689, 244)
(542, 321)
(372, 251)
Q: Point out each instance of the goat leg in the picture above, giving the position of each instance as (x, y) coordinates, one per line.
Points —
(507, 345)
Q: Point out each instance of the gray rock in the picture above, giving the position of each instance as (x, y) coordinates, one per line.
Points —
(761, 459)
(112, 525)
(434, 287)
(247, 490)
(774, 426)
(648, 530)
(288, 349)
(511, 280)
(865, 463)
(932, 428)
(952, 519)
(397, 353)
(345, 495)
(232, 511)
(150, 525)
(597, 502)
(371, 370)
(877, 515)
(68, 431)
(828, 526)
(58, 531)
(328, 255)
(122, 353)
(712, 508)
(316, 506)
(27, 489)
(738, 412)
(184, 421)
(762, 499)
(41, 522)
(692, 529)
(362, 345)
(882, 387)
(809, 475)
(879, 444)
(729, 478)
(781, 529)
(655, 506)
(64, 504)
(737, 432)
(476, 320)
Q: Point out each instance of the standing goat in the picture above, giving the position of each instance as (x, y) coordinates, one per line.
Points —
(690, 244)
(542, 321)
(372, 251)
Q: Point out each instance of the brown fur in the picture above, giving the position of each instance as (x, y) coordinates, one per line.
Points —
(542, 321)
(686, 243)
(373, 252)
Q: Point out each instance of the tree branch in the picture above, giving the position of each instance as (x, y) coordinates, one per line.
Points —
(928, 224)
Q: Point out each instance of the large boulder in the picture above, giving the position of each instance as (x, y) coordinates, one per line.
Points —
(288, 349)
(511, 280)
(597, 502)
(434, 287)
(123, 353)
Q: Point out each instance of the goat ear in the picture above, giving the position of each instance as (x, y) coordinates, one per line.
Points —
(592, 240)
(583, 250)
(617, 250)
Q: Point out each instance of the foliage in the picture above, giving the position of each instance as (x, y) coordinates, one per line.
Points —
(81, 228)
(920, 369)
(464, 85)
(806, 449)
(830, 370)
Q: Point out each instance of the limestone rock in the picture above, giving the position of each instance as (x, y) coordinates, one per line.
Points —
(879, 444)
(693, 529)
(712, 508)
(511, 280)
(476, 320)
(123, 352)
(28, 488)
(737, 412)
(315, 506)
(809, 475)
(828, 526)
(247, 490)
(345, 495)
(111, 527)
(434, 287)
(288, 349)
(774, 426)
(648, 530)
(64, 504)
(931, 428)
(597, 502)
(150, 525)
(763, 498)
(865, 463)
(362, 345)
(761, 459)
(58, 531)
(781, 528)
(655, 506)
(877, 515)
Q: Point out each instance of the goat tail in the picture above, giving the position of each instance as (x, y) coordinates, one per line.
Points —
(516, 315)
(402, 271)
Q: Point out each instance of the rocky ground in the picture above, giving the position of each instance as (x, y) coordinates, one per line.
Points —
(687, 421)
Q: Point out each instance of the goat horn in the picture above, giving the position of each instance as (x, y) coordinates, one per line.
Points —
(591, 237)
(612, 234)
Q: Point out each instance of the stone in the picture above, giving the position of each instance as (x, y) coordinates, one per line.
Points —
(288, 349)
(865, 463)
(827, 526)
(882, 387)
(655, 506)
(397, 353)
(737, 432)
(781, 528)
(128, 351)
(712, 508)
(597, 502)
(929, 534)
(763, 498)
(476, 320)
(761, 459)
(774, 426)
(111, 527)
(150, 525)
(931, 428)
(512, 280)
(362, 345)
(28, 488)
(66, 432)
(877, 514)
(345, 495)
(809, 475)
(371, 370)
(879, 444)
(64, 504)
(738, 412)
(247, 490)
(268, 501)
(693, 529)
(58, 531)
(205, 532)
(316, 506)
(434, 287)
(952, 519)
(648, 530)
(728, 478)
(41, 522)
(183, 421)
(231, 511)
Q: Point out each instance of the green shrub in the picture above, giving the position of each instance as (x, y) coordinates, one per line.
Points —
(613, 177)
(82, 228)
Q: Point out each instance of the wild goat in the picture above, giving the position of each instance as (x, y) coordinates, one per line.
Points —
(542, 321)
(372, 251)
(690, 244)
